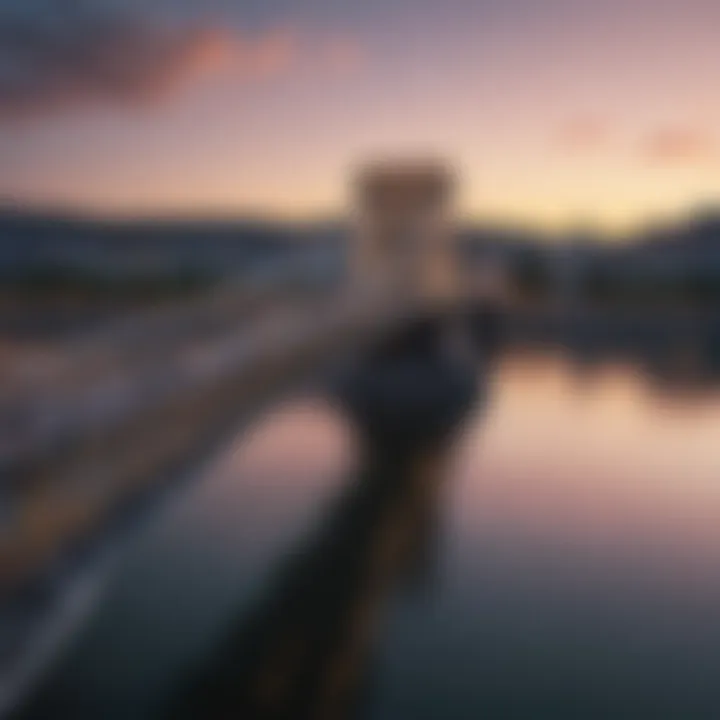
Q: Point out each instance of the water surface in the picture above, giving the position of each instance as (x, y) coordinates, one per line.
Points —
(574, 571)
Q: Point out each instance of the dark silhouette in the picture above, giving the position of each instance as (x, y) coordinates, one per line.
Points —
(305, 650)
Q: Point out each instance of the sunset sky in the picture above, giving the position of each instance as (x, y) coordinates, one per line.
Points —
(556, 111)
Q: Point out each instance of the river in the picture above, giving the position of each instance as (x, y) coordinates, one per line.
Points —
(574, 569)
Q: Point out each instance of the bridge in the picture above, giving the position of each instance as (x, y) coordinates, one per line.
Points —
(114, 416)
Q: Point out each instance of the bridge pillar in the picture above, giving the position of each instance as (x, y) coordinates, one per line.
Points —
(418, 382)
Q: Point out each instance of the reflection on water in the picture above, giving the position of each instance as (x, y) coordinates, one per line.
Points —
(576, 572)
(580, 573)
(303, 650)
(602, 458)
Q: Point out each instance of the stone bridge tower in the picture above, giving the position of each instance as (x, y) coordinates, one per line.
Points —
(404, 243)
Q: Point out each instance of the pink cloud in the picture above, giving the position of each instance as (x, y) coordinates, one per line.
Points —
(266, 56)
(134, 64)
(680, 146)
(105, 57)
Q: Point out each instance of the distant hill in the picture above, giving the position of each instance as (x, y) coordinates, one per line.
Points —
(48, 238)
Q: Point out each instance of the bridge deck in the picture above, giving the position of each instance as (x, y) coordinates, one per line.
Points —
(119, 413)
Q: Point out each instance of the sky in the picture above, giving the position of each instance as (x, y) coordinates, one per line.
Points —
(555, 112)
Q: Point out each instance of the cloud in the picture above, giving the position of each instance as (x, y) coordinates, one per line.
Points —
(680, 146)
(583, 134)
(57, 56)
